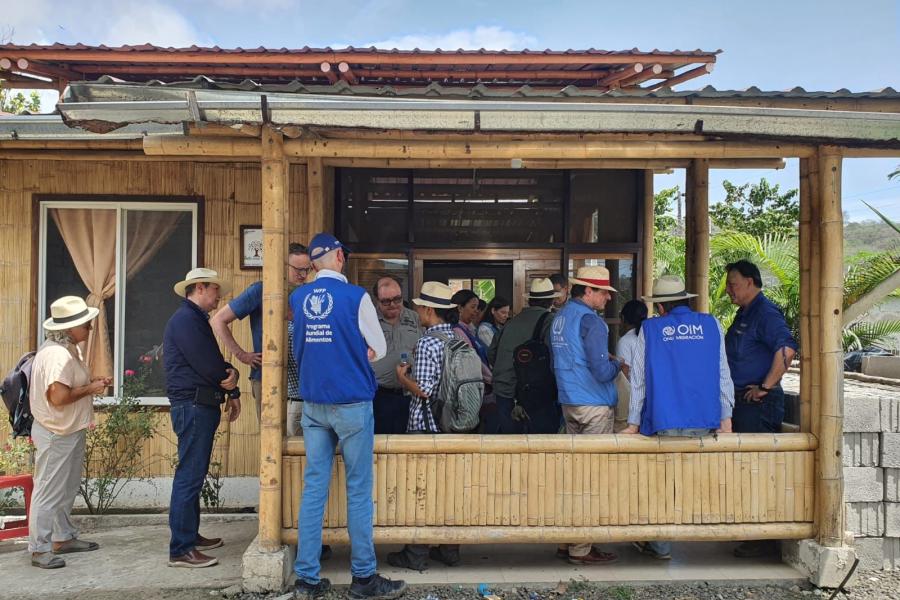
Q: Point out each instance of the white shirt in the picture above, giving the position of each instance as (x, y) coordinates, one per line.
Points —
(369, 325)
(627, 347)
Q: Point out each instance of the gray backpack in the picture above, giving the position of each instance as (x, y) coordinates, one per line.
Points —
(461, 388)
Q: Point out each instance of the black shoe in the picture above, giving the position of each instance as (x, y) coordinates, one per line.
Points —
(326, 552)
(401, 561)
(377, 588)
(449, 558)
(308, 591)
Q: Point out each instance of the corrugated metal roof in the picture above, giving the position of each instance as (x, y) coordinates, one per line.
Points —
(436, 90)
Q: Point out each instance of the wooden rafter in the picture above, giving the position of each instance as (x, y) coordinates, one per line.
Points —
(681, 78)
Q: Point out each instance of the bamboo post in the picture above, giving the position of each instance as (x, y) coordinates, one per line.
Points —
(315, 190)
(697, 246)
(830, 482)
(806, 347)
(274, 204)
(649, 230)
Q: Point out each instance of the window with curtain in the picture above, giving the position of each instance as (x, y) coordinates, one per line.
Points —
(122, 258)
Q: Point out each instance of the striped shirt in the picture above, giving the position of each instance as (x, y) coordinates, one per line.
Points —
(293, 375)
(638, 380)
(427, 371)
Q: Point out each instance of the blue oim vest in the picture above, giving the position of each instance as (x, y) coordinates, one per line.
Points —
(334, 364)
(682, 371)
(575, 383)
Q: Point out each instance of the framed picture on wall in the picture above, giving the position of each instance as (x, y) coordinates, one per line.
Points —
(251, 247)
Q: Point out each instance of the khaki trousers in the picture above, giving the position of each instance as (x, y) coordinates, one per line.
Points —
(58, 460)
(584, 420)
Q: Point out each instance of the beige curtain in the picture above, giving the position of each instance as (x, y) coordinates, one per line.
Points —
(90, 237)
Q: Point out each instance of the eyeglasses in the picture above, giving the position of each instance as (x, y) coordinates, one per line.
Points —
(397, 301)
(300, 270)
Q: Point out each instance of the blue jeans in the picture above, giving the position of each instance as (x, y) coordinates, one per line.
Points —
(195, 425)
(758, 417)
(324, 425)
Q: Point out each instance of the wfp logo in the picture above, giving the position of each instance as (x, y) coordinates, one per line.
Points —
(682, 331)
(318, 305)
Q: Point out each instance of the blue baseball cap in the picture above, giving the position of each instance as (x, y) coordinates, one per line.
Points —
(322, 244)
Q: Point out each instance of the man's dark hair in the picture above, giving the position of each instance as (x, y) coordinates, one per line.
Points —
(482, 305)
(668, 306)
(380, 279)
(578, 290)
(746, 269)
(558, 279)
(634, 313)
(189, 289)
(447, 314)
(295, 248)
(540, 302)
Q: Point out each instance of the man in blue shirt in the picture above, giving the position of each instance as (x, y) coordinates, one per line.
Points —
(249, 304)
(680, 382)
(197, 382)
(760, 348)
(585, 373)
(336, 336)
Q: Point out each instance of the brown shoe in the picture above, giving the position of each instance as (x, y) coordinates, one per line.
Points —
(203, 544)
(594, 557)
(193, 560)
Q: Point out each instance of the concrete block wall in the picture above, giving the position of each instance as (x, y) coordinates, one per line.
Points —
(871, 456)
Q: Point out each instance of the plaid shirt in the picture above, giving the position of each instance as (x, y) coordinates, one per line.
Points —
(429, 362)
(293, 374)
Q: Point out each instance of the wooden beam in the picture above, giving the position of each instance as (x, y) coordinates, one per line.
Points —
(388, 163)
(71, 144)
(686, 76)
(70, 56)
(13, 82)
(653, 72)
(347, 73)
(325, 67)
(552, 534)
(747, 163)
(613, 78)
(805, 295)
(830, 480)
(315, 195)
(697, 237)
(274, 207)
(215, 129)
(115, 155)
(648, 242)
(871, 152)
(54, 71)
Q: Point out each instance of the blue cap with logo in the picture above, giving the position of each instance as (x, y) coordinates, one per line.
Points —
(322, 244)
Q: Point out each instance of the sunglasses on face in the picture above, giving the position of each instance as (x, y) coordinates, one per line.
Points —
(397, 301)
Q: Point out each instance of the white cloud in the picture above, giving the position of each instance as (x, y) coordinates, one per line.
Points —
(487, 37)
(100, 22)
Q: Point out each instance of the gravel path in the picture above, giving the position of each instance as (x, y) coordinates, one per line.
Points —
(873, 585)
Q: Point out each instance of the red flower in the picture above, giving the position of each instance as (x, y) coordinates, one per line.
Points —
(7, 448)
(129, 372)
(92, 426)
(146, 359)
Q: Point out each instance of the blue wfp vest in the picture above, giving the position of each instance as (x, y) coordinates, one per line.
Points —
(331, 352)
(682, 371)
(574, 381)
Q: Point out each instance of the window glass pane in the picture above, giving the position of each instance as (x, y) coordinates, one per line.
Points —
(457, 285)
(604, 206)
(91, 232)
(366, 270)
(496, 206)
(374, 207)
(158, 250)
(621, 276)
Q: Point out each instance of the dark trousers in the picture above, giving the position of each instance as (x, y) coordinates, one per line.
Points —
(391, 409)
(498, 420)
(764, 416)
(195, 425)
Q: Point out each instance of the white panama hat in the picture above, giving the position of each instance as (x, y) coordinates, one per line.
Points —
(542, 289)
(435, 294)
(68, 312)
(668, 288)
(201, 275)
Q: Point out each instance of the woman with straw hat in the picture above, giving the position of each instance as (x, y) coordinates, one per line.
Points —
(61, 393)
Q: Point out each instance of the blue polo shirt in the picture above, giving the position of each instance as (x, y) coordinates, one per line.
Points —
(249, 303)
(191, 355)
(756, 333)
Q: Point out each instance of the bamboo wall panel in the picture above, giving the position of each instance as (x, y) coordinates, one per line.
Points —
(232, 198)
(574, 490)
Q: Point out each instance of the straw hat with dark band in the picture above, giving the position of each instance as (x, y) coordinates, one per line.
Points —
(542, 289)
(435, 294)
(668, 288)
(593, 277)
(69, 312)
(201, 275)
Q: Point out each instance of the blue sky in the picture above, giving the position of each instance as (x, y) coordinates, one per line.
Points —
(818, 45)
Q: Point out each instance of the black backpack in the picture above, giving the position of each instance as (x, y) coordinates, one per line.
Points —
(15, 396)
(535, 381)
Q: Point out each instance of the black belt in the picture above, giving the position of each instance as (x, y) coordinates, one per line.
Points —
(398, 390)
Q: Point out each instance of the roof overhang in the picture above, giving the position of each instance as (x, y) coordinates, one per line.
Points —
(106, 108)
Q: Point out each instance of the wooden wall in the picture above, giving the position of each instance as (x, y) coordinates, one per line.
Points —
(571, 483)
(231, 194)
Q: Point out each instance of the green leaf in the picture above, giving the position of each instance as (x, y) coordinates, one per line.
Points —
(884, 217)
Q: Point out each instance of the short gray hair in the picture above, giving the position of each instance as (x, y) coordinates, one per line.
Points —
(58, 336)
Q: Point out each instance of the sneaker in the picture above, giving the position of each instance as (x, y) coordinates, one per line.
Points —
(203, 544)
(377, 588)
(308, 591)
(647, 550)
(193, 560)
(76, 545)
(594, 557)
(46, 560)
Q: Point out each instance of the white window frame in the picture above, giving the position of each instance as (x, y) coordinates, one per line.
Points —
(121, 207)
